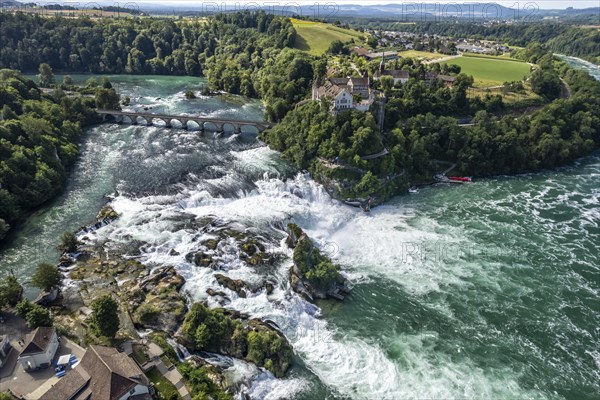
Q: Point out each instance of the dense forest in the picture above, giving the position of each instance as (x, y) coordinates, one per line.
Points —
(38, 143)
(251, 54)
(242, 53)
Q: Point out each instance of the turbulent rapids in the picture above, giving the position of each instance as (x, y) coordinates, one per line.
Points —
(486, 290)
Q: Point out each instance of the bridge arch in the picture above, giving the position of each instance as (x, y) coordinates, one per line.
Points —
(230, 127)
(143, 120)
(127, 119)
(250, 128)
(176, 123)
(194, 125)
(211, 126)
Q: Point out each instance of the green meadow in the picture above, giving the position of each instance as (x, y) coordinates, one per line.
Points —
(315, 37)
(491, 71)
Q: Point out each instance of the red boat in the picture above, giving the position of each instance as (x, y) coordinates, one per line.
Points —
(460, 178)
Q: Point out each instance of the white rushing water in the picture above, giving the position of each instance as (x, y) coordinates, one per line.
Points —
(346, 363)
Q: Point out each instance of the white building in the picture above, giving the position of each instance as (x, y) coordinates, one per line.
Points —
(342, 91)
(399, 76)
(39, 348)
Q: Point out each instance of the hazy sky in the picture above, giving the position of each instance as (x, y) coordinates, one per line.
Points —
(544, 4)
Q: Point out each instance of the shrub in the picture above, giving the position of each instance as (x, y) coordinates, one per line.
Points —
(46, 276)
(105, 313)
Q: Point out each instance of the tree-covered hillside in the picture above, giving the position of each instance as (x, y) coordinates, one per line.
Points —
(38, 142)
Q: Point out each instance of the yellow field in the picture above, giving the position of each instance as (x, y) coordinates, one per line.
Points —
(507, 97)
(315, 37)
(502, 57)
(422, 55)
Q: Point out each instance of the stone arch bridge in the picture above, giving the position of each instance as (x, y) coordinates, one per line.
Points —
(218, 125)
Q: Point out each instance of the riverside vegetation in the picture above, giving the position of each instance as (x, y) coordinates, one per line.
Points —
(418, 130)
(39, 133)
(253, 54)
(125, 296)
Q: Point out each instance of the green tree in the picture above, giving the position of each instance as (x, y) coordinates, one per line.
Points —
(38, 316)
(10, 291)
(46, 75)
(46, 277)
(107, 99)
(387, 82)
(105, 314)
(372, 41)
(68, 243)
(24, 307)
(8, 113)
(5, 396)
(34, 315)
(367, 185)
(336, 47)
(546, 82)
(68, 81)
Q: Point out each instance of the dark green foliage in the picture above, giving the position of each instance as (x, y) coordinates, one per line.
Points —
(10, 291)
(38, 316)
(202, 387)
(105, 314)
(107, 99)
(314, 265)
(68, 243)
(33, 314)
(46, 76)
(213, 330)
(268, 349)
(546, 83)
(46, 277)
(367, 185)
(337, 47)
(311, 131)
(37, 144)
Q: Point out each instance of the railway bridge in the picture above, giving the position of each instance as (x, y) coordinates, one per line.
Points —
(216, 124)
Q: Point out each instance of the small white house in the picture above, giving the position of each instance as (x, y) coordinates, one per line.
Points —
(39, 349)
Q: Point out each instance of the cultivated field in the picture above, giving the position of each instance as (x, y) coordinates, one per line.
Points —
(491, 71)
(315, 37)
(421, 55)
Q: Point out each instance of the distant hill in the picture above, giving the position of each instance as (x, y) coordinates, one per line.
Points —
(9, 3)
(403, 11)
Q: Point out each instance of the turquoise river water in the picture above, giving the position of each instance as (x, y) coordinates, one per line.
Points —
(488, 290)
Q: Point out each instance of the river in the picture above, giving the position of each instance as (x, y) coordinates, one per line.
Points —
(488, 290)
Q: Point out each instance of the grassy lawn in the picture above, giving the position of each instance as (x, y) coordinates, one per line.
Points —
(315, 37)
(491, 57)
(509, 98)
(491, 71)
(165, 389)
(423, 55)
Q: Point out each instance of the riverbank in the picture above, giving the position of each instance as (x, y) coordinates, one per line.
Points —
(152, 303)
